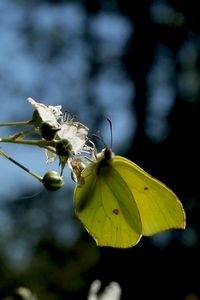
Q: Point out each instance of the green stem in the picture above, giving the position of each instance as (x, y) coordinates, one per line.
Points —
(39, 143)
(21, 134)
(15, 123)
(21, 166)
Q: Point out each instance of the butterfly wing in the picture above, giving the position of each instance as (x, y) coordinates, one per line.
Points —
(159, 207)
(106, 207)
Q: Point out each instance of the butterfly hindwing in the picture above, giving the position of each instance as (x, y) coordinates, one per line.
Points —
(106, 207)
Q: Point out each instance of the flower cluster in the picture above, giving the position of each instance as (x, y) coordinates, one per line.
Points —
(61, 136)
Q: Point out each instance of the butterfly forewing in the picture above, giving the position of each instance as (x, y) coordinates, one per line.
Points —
(159, 207)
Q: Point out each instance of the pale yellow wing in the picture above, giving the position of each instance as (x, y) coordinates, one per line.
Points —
(159, 208)
(106, 207)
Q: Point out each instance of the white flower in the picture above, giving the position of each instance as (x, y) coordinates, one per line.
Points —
(111, 292)
(76, 133)
(68, 137)
(49, 114)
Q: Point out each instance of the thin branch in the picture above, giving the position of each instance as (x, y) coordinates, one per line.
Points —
(2, 153)
(20, 123)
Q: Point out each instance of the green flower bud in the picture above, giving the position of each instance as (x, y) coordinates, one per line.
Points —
(63, 148)
(36, 119)
(52, 181)
(47, 131)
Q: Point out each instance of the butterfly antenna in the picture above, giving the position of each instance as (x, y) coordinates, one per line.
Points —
(99, 137)
(111, 134)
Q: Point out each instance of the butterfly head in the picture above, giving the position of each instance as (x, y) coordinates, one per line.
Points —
(107, 153)
(103, 158)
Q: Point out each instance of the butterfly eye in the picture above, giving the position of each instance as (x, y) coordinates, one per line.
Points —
(52, 181)
(48, 131)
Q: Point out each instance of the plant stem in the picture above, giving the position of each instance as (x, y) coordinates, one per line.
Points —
(39, 143)
(21, 166)
(15, 123)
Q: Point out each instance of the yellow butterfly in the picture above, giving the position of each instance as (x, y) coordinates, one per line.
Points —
(118, 202)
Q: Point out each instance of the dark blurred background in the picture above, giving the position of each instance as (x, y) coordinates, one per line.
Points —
(138, 63)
